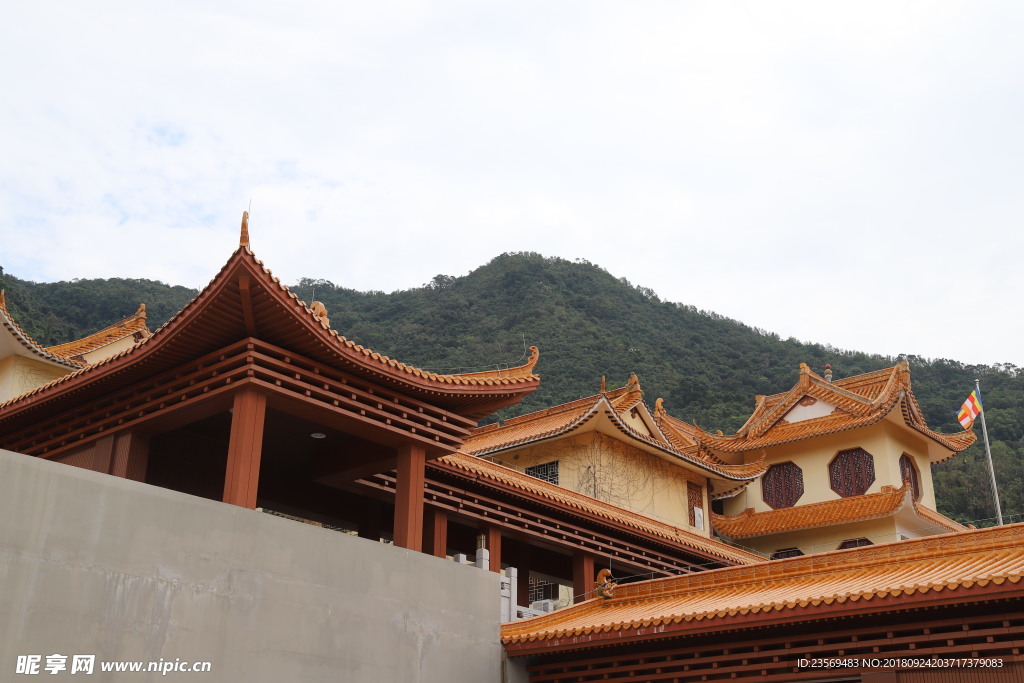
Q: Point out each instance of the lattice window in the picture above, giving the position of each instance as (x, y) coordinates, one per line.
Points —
(547, 471)
(852, 472)
(908, 470)
(783, 553)
(695, 502)
(854, 543)
(782, 485)
(542, 590)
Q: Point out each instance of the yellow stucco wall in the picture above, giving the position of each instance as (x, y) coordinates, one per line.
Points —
(109, 350)
(813, 541)
(19, 374)
(885, 441)
(610, 470)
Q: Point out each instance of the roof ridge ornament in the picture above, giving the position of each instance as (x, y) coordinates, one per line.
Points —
(3, 300)
(141, 313)
(604, 384)
(659, 408)
(319, 311)
(243, 239)
(805, 376)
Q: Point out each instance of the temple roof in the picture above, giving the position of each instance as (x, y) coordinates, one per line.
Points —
(15, 341)
(245, 300)
(538, 487)
(887, 502)
(71, 354)
(134, 324)
(853, 402)
(906, 574)
(610, 406)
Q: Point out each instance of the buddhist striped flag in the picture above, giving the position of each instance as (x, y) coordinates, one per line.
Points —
(970, 410)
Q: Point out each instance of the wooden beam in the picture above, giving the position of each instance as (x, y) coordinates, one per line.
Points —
(245, 448)
(409, 496)
(527, 522)
(246, 294)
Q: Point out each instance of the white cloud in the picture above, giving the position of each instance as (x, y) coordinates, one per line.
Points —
(847, 174)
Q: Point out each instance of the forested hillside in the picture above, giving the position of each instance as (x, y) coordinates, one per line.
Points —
(587, 324)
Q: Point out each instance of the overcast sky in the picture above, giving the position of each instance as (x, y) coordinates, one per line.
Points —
(845, 173)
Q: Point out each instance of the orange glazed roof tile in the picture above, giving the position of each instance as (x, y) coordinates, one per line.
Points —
(750, 524)
(132, 325)
(897, 575)
(858, 401)
(565, 418)
(538, 487)
(519, 380)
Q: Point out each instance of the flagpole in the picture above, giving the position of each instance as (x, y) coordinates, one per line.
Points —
(988, 452)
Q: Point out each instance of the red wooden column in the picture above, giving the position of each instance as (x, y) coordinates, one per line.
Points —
(409, 497)
(245, 448)
(130, 456)
(583, 575)
(494, 548)
(436, 533)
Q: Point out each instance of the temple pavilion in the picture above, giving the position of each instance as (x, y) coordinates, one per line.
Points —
(248, 396)
(848, 464)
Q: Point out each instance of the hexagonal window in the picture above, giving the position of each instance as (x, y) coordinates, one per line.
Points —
(854, 543)
(852, 472)
(786, 552)
(782, 485)
(908, 470)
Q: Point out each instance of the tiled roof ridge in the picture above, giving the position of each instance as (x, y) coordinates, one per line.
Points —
(773, 408)
(581, 501)
(571, 423)
(751, 524)
(385, 364)
(681, 435)
(737, 473)
(897, 387)
(1001, 546)
(744, 472)
(515, 375)
(611, 394)
(8, 321)
(939, 518)
(548, 412)
(136, 322)
(873, 376)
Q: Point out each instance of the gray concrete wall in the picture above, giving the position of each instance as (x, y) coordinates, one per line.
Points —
(92, 564)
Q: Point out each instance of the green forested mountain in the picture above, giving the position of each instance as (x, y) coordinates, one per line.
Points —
(587, 324)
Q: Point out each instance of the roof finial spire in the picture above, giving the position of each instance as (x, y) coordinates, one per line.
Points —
(243, 240)
(3, 299)
(828, 372)
(604, 384)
